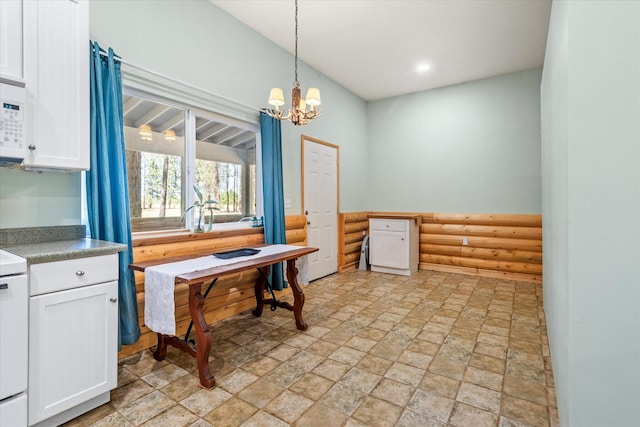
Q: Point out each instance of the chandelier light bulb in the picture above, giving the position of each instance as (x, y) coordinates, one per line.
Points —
(276, 97)
(313, 96)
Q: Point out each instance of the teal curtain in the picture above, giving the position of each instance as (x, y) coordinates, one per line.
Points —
(107, 189)
(272, 191)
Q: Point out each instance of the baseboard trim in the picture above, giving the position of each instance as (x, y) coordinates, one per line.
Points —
(520, 277)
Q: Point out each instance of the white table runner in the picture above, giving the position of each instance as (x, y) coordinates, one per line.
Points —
(159, 284)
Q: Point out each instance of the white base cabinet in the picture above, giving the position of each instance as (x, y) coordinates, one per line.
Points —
(393, 245)
(73, 337)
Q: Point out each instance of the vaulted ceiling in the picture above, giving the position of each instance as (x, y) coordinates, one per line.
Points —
(383, 48)
(378, 48)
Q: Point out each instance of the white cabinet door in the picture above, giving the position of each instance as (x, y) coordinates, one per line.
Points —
(393, 247)
(11, 60)
(73, 348)
(388, 249)
(14, 309)
(56, 47)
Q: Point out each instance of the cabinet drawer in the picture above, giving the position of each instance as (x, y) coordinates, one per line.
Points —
(388, 224)
(72, 273)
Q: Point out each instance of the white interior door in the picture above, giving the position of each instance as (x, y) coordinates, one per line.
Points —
(320, 167)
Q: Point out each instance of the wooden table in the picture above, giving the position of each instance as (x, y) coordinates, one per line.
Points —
(200, 350)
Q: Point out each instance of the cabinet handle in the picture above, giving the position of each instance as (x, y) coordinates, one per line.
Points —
(113, 299)
(79, 273)
(4, 286)
(32, 147)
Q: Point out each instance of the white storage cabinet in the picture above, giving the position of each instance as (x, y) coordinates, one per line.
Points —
(393, 245)
(56, 72)
(11, 43)
(73, 337)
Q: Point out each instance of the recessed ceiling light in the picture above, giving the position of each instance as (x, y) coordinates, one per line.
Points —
(421, 68)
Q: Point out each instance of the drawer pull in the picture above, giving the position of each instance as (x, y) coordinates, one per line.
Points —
(113, 299)
(79, 273)
(4, 286)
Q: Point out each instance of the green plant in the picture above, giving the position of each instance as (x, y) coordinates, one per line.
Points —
(201, 205)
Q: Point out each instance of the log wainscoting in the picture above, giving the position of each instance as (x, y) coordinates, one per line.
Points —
(231, 295)
(490, 245)
(352, 227)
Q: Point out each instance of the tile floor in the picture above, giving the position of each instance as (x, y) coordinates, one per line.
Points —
(433, 349)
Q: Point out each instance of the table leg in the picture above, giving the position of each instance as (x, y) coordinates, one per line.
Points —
(298, 295)
(259, 290)
(161, 349)
(203, 336)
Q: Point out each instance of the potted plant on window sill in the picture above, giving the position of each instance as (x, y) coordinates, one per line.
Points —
(201, 205)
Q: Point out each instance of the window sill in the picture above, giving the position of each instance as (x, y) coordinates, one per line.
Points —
(182, 235)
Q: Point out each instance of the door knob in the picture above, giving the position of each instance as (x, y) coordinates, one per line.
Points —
(113, 299)
(308, 222)
(306, 212)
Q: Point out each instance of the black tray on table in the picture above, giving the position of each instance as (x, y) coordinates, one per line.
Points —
(236, 253)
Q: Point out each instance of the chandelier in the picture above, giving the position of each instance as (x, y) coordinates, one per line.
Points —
(302, 110)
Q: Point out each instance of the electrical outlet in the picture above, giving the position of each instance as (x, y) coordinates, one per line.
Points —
(287, 203)
(465, 241)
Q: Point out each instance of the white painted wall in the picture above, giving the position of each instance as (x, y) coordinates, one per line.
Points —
(196, 42)
(591, 210)
(473, 147)
(38, 199)
(555, 123)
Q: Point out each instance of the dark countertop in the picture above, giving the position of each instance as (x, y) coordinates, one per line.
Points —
(36, 253)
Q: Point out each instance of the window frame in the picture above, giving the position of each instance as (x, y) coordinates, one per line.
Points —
(189, 159)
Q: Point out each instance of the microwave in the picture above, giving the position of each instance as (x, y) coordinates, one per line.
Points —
(13, 129)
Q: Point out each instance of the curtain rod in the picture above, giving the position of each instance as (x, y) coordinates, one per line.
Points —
(146, 70)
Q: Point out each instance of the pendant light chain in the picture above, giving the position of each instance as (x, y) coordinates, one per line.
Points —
(296, 48)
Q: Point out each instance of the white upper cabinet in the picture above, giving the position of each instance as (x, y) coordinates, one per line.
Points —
(11, 60)
(56, 71)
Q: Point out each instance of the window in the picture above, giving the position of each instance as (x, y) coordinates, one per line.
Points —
(162, 174)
